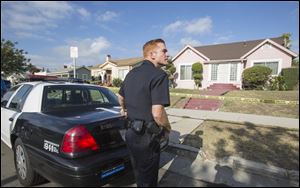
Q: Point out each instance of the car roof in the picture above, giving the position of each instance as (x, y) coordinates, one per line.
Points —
(46, 83)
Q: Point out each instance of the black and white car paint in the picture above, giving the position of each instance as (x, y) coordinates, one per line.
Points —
(55, 136)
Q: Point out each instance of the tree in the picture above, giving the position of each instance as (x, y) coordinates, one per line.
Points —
(32, 69)
(197, 70)
(170, 70)
(12, 59)
(287, 40)
(295, 62)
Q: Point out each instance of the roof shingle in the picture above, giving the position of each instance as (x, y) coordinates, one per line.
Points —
(232, 50)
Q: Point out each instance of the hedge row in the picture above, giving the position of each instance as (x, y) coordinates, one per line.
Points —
(291, 77)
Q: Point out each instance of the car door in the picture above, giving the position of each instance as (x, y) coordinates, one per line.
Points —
(11, 108)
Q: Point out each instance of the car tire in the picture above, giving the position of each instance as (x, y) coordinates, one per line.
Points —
(26, 175)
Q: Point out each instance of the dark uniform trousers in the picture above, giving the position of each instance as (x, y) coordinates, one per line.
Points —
(145, 162)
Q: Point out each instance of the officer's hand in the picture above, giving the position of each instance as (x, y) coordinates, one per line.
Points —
(123, 113)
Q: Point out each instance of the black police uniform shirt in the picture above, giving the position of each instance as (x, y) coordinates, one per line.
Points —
(143, 87)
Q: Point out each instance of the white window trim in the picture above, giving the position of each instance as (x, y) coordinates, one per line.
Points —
(237, 68)
(228, 77)
(239, 72)
(210, 69)
(209, 72)
(187, 64)
(269, 60)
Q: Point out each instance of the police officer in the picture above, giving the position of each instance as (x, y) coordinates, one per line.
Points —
(143, 96)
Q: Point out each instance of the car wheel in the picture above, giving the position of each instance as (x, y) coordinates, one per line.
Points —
(26, 175)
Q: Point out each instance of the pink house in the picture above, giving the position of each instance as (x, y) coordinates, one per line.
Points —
(224, 63)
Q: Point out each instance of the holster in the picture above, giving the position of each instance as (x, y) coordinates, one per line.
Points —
(156, 132)
(156, 135)
(138, 126)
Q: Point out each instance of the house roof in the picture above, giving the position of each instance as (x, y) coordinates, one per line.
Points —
(232, 50)
(127, 62)
(66, 70)
(120, 62)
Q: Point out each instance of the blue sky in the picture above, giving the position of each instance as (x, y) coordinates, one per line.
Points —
(46, 30)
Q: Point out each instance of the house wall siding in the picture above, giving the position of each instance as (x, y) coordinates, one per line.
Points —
(189, 57)
(114, 70)
(116, 75)
(224, 74)
(271, 52)
(82, 71)
(96, 72)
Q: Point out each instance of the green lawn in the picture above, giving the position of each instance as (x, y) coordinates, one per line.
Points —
(267, 109)
(272, 95)
(278, 110)
(269, 145)
(186, 91)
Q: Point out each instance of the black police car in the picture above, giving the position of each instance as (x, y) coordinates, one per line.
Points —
(69, 133)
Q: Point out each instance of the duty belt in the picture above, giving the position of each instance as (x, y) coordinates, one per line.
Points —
(140, 126)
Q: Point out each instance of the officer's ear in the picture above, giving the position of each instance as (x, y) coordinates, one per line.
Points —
(152, 54)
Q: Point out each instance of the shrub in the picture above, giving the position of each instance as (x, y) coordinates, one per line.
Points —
(197, 70)
(117, 82)
(256, 77)
(277, 83)
(291, 77)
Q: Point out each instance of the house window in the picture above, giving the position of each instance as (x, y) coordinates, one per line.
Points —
(185, 72)
(233, 72)
(122, 73)
(214, 72)
(271, 64)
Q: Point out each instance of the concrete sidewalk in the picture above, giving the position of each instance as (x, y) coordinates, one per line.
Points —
(231, 171)
(235, 117)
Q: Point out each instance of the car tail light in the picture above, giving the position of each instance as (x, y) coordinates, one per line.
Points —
(78, 139)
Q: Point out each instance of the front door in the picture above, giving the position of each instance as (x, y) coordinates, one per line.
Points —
(223, 73)
(108, 77)
(220, 72)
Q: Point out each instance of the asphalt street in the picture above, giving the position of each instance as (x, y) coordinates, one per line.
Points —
(166, 178)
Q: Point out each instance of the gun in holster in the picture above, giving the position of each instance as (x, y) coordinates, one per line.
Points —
(157, 133)
(138, 126)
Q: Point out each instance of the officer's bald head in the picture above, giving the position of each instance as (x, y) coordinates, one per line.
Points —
(151, 45)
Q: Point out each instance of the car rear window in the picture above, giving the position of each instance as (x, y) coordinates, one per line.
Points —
(61, 96)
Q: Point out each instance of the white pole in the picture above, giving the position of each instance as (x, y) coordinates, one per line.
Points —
(74, 55)
(74, 62)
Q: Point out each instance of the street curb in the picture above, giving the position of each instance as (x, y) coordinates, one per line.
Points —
(260, 168)
(236, 163)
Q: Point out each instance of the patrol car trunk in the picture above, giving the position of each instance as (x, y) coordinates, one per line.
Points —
(106, 125)
(109, 133)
